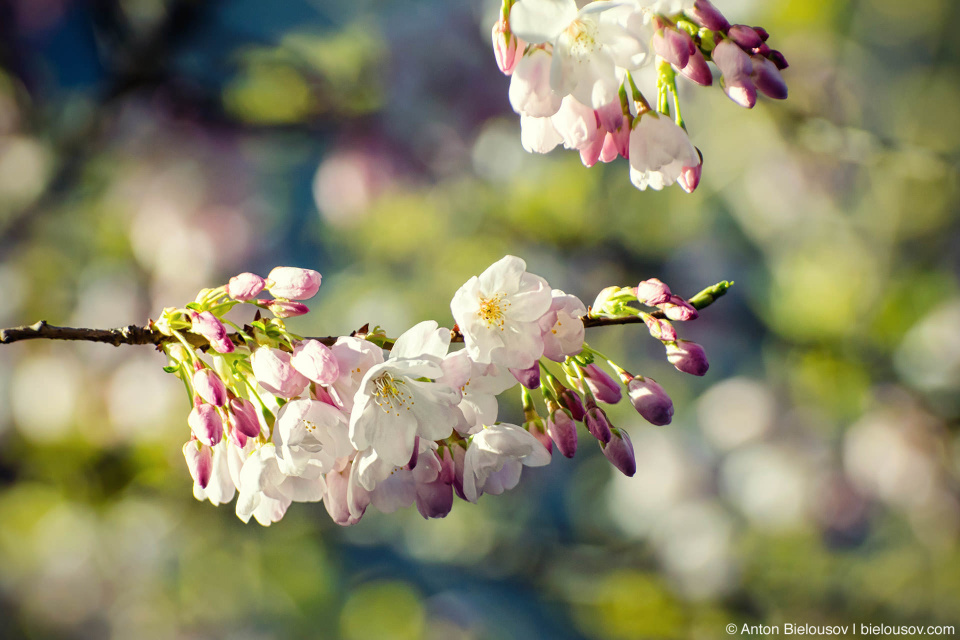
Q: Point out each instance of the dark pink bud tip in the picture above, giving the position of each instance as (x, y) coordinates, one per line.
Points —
(697, 69)
(689, 178)
(529, 377)
(571, 400)
(602, 385)
(539, 431)
(767, 79)
(744, 36)
(653, 292)
(619, 451)
(563, 431)
(762, 33)
(597, 424)
(777, 58)
(708, 16)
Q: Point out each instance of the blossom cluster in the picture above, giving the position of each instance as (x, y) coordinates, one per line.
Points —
(362, 420)
(575, 69)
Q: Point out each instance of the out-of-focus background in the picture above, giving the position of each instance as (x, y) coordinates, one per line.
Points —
(149, 148)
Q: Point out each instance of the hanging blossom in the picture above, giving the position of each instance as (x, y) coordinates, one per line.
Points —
(277, 418)
(572, 78)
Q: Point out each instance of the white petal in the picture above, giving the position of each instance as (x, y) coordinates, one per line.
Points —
(531, 92)
(423, 339)
(539, 21)
(538, 135)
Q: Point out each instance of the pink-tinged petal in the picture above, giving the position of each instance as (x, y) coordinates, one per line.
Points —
(539, 431)
(538, 135)
(672, 47)
(592, 152)
(650, 401)
(286, 308)
(619, 451)
(503, 276)
(660, 328)
(678, 309)
(688, 357)
(210, 387)
(690, 176)
(206, 424)
(315, 361)
(538, 21)
(745, 36)
(245, 286)
(335, 499)
(529, 377)
(293, 283)
(576, 123)
(736, 67)
(530, 92)
(572, 402)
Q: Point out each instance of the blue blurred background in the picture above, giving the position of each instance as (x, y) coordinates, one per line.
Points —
(149, 148)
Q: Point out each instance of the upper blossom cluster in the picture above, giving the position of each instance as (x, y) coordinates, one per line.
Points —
(572, 68)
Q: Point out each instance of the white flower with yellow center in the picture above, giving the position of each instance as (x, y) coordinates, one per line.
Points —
(498, 311)
(590, 46)
(398, 401)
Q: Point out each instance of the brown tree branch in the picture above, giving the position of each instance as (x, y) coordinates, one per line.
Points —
(137, 335)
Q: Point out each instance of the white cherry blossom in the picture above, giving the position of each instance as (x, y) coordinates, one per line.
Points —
(479, 385)
(659, 151)
(498, 312)
(394, 405)
(562, 328)
(493, 462)
(266, 493)
(309, 437)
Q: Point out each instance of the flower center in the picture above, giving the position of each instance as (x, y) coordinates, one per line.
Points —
(583, 37)
(492, 310)
(391, 394)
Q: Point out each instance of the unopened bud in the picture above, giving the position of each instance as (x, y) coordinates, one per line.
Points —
(507, 48)
(571, 401)
(674, 46)
(650, 401)
(293, 283)
(660, 328)
(736, 67)
(744, 36)
(209, 326)
(245, 286)
(689, 177)
(199, 462)
(563, 431)
(597, 424)
(529, 377)
(767, 78)
(678, 309)
(707, 15)
(316, 361)
(619, 451)
(205, 423)
(286, 308)
(275, 373)
(210, 387)
(539, 431)
(653, 292)
(688, 357)
(242, 415)
(777, 58)
(601, 384)
(762, 33)
(697, 69)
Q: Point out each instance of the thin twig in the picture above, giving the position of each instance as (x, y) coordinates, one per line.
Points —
(137, 335)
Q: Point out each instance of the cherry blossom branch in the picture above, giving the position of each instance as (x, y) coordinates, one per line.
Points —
(148, 335)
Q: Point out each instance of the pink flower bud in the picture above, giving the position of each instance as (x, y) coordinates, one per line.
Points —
(293, 283)
(678, 309)
(205, 423)
(209, 326)
(611, 148)
(687, 357)
(210, 387)
(689, 177)
(245, 286)
(335, 498)
(674, 46)
(529, 377)
(653, 292)
(243, 417)
(571, 401)
(539, 431)
(736, 67)
(762, 33)
(238, 439)
(597, 424)
(563, 431)
(447, 471)
(650, 401)
(199, 462)
(316, 361)
(708, 16)
(507, 48)
(619, 451)
(744, 36)
(767, 79)
(660, 328)
(697, 69)
(602, 384)
(434, 499)
(286, 308)
(275, 373)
